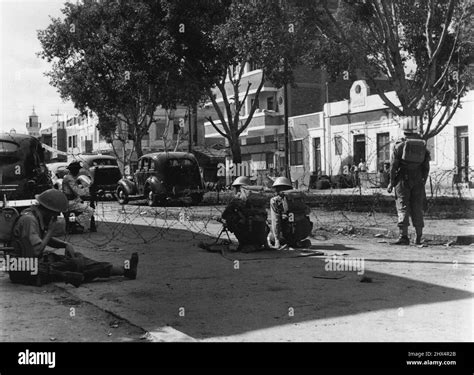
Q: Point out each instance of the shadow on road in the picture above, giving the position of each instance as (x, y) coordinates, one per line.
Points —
(205, 295)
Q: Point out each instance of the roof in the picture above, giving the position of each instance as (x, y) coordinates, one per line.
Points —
(15, 137)
(210, 153)
(93, 156)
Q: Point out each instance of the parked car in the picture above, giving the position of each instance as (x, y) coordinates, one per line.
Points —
(58, 171)
(23, 172)
(163, 177)
(103, 171)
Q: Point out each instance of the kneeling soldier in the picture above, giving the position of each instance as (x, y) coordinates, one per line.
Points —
(246, 216)
(290, 216)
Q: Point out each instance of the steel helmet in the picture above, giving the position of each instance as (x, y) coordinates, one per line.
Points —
(409, 125)
(84, 180)
(282, 181)
(242, 180)
(74, 165)
(53, 200)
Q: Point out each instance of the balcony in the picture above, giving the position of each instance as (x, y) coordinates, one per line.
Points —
(265, 122)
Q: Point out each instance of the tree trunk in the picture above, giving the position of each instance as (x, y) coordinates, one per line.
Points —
(235, 150)
(138, 146)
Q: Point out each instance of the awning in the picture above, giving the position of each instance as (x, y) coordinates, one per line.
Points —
(209, 155)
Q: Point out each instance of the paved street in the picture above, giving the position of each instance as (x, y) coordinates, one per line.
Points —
(185, 293)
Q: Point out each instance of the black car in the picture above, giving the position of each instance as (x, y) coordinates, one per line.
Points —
(23, 172)
(164, 177)
(103, 171)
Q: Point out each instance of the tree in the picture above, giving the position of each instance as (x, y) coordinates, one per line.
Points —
(421, 47)
(258, 32)
(114, 58)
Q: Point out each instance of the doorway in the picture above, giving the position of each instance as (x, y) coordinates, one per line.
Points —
(359, 148)
(317, 156)
(462, 155)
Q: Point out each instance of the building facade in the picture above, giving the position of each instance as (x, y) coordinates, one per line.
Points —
(363, 128)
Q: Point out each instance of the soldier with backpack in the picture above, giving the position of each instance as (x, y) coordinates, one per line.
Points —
(35, 228)
(246, 216)
(409, 168)
(289, 216)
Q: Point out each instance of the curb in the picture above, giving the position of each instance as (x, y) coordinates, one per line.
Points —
(436, 238)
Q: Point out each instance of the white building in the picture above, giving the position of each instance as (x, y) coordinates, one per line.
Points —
(363, 127)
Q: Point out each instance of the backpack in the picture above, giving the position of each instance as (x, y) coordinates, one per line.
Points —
(294, 205)
(414, 151)
(297, 226)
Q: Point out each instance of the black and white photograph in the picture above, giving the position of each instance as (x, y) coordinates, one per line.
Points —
(178, 175)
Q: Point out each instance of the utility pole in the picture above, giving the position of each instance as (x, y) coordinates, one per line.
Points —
(57, 114)
(287, 136)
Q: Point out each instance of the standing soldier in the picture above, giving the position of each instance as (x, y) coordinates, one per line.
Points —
(410, 165)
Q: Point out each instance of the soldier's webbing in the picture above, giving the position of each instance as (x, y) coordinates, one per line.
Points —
(414, 151)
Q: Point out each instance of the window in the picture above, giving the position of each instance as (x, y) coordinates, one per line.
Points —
(338, 145)
(69, 141)
(296, 153)
(383, 150)
(270, 103)
(8, 147)
(253, 66)
(269, 160)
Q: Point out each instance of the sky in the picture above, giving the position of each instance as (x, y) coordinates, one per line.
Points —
(23, 84)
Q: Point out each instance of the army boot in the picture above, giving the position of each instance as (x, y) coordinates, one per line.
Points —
(419, 234)
(403, 238)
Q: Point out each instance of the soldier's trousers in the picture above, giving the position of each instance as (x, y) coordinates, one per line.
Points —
(409, 202)
(51, 266)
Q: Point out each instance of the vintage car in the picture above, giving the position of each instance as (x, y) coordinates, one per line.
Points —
(162, 178)
(23, 172)
(103, 171)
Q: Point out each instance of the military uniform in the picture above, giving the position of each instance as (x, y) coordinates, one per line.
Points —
(409, 168)
(73, 192)
(286, 231)
(27, 235)
(246, 218)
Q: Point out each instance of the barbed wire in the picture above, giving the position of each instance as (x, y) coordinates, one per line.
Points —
(129, 225)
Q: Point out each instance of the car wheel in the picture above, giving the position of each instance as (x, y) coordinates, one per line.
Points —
(122, 195)
(151, 199)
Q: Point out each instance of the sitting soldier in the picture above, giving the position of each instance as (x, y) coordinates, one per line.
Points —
(246, 216)
(35, 229)
(289, 217)
(75, 187)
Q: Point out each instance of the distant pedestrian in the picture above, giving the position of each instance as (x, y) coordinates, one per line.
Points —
(409, 168)
(362, 166)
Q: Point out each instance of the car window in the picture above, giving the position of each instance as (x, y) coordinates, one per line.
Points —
(8, 152)
(99, 161)
(8, 147)
(180, 163)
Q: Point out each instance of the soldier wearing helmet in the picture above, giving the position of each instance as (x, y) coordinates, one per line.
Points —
(76, 187)
(35, 230)
(409, 169)
(289, 216)
(238, 183)
(245, 216)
